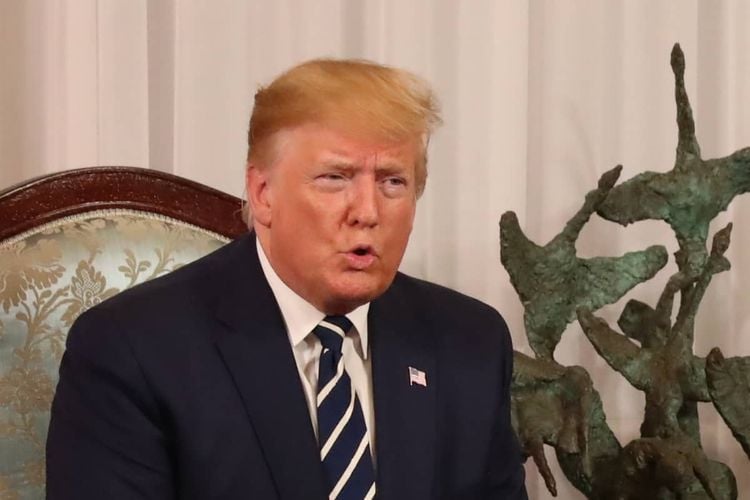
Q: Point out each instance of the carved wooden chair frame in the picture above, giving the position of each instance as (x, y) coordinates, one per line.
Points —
(50, 197)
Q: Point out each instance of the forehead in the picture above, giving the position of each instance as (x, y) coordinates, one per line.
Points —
(325, 143)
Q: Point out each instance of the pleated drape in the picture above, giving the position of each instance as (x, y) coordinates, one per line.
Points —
(539, 98)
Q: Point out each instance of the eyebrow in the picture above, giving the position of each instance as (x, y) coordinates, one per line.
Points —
(390, 168)
(342, 164)
(338, 164)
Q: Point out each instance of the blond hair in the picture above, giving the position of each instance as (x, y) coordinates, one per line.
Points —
(358, 95)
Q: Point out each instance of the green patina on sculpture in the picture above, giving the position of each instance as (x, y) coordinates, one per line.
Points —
(552, 282)
(557, 405)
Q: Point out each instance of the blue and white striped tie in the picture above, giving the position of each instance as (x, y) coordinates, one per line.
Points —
(342, 433)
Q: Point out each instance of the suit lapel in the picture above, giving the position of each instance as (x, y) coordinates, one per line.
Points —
(405, 422)
(256, 351)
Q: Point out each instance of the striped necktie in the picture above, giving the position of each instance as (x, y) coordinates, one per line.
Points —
(342, 433)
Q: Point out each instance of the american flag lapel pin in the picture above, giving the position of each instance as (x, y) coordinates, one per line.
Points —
(417, 377)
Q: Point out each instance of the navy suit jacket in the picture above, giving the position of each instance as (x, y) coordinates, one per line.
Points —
(186, 387)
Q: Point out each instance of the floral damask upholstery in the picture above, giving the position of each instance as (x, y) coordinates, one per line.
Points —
(48, 277)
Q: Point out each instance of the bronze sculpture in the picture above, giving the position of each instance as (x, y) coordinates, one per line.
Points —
(558, 405)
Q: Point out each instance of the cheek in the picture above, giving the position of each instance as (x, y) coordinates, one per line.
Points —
(401, 227)
(298, 211)
(405, 221)
(311, 228)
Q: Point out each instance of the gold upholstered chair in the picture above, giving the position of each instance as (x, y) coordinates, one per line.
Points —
(68, 241)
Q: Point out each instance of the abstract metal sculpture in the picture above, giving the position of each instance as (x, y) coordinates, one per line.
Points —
(557, 405)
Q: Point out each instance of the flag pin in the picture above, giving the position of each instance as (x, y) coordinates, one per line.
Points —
(417, 377)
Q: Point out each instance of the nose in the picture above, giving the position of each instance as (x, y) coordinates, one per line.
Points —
(363, 203)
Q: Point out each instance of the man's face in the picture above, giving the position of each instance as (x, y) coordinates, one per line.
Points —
(334, 213)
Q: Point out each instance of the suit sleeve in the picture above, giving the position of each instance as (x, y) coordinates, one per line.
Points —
(506, 472)
(106, 437)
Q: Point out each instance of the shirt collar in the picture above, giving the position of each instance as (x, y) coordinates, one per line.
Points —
(299, 315)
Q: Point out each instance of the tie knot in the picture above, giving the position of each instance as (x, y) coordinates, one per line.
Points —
(331, 332)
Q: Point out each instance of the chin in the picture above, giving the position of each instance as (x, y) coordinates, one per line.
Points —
(352, 295)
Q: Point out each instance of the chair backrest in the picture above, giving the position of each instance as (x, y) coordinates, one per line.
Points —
(68, 241)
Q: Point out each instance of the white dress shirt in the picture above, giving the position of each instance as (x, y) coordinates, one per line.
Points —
(300, 318)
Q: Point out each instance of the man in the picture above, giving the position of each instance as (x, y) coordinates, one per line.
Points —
(295, 362)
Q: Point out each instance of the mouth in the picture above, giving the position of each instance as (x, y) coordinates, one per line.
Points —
(361, 257)
(362, 250)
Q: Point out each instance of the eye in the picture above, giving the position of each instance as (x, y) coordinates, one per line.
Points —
(394, 185)
(331, 181)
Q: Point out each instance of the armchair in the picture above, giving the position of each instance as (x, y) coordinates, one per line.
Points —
(67, 242)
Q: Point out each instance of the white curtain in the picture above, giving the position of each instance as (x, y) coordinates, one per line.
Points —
(539, 98)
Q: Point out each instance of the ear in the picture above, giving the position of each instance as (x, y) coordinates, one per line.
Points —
(258, 194)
